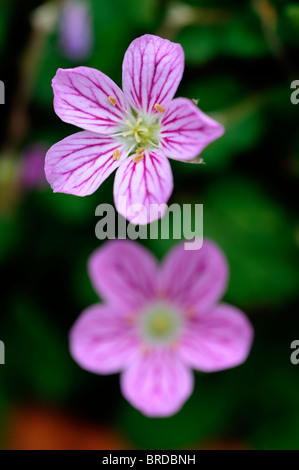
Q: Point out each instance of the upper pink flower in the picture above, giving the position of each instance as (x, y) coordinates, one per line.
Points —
(159, 322)
(133, 130)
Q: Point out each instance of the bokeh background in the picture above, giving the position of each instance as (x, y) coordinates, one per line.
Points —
(240, 61)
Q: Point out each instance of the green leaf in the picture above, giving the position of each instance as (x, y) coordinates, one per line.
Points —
(37, 355)
(258, 238)
(240, 135)
(200, 43)
(291, 11)
(9, 236)
(244, 37)
(218, 91)
(73, 209)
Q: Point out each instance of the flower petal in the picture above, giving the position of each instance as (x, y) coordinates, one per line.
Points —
(219, 339)
(152, 70)
(186, 130)
(194, 279)
(157, 384)
(124, 273)
(102, 341)
(139, 188)
(81, 97)
(81, 162)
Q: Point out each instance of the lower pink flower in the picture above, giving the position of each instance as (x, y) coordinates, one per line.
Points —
(159, 322)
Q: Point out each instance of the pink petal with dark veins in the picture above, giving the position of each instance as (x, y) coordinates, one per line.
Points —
(152, 70)
(186, 130)
(139, 188)
(81, 162)
(81, 97)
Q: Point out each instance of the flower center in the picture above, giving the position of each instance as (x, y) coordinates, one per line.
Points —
(160, 323)
(139, 131)
(136, 129)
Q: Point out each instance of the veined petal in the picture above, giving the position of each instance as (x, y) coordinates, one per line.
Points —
(147, 183)
(81, 162)
(152, 70)
(186, 130)
(124, 274)
(102, 341)
(81, 97)
(194, 279)
(219, 339)
(157, 383)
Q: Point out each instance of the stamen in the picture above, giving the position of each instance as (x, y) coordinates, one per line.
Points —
(129, 124)
(125, 134)
(159, 108)
(145, 134)
(112, 100)
(140, 150)
(116, 154)
(138, 158)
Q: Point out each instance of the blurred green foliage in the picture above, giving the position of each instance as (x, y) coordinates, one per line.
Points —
(240, 60)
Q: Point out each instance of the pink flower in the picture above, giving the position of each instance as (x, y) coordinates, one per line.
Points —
(133, 130)
(159, 322)
(76, 30)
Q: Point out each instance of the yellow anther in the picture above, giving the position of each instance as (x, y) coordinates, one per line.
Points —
(138, 158)
(140, 150)
(116, 154)
(112, 100)
(159, 108)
